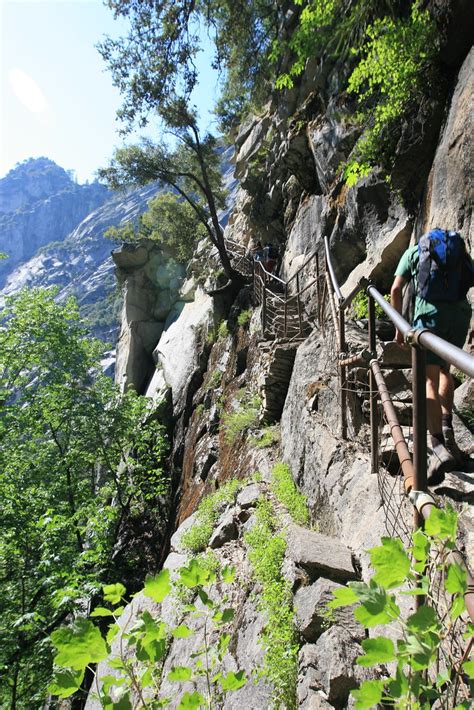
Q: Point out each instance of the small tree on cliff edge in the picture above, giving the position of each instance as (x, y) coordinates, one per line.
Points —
(154, 69)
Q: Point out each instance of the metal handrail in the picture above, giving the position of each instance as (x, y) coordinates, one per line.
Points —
(420, 340)
(424, 337)
(332, 275)
(262, 277)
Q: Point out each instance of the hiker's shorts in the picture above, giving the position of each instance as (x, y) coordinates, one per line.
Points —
(451, 322)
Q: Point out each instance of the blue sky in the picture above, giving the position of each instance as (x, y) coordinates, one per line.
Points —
(56, 97)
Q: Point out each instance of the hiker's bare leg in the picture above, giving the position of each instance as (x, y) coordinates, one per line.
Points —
(446, 392)
(433, 399)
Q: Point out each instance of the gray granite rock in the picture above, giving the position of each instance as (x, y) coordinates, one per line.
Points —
(312, 616)
(329, 666)
(248, 496)
(319, 554)
(225, 531)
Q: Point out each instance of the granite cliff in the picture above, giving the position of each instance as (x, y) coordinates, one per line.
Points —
(242, 407)
(204, 376)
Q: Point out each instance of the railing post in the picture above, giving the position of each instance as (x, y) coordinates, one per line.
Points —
(373, 390)
(343, 374)
(298, 300)
(419, 421)
(285, 325)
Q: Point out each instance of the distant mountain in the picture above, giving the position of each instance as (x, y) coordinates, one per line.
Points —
(40, 203)
(53, 231)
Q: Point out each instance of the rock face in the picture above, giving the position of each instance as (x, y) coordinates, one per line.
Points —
(40, 203)
(56, 238)
(295, 197)
(448, 201)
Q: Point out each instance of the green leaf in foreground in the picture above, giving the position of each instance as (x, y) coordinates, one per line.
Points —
(182, 632)
(442, 524)
(180, 673)
(195, 575)
(343, 596)
(66, 682)
(79, 645)
(368, 695)
(377, 650)
(158, 587)
(113, 593)
(191, 701)
(377, 607)
(391, 563)
(468, 667)
(101, 611)
(233, 681)
(456, 579)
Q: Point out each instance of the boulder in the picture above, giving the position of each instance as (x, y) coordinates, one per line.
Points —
(312, 615)
(329, 666)
(179, 348)
(320, 555)
(225, 531)
(248, 496)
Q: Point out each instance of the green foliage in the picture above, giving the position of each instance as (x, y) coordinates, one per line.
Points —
(72, 458)
(268, 436)
(156, 61)
(267, 547)
(223, 330)
(285, 490)
(242, 419)
(154, 68)
(214, 333)
(139, 651)
(244, 317)
(214, 380)
(169, 221)
(393, 70)
(390, 75)
(417, 682)
(327, 27)
(360, 306)
(197, 537)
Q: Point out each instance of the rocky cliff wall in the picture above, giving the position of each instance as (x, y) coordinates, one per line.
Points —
(286, 161)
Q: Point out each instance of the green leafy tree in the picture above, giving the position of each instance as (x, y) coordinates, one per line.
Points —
(169, 221)
(156, 61)
(137, 653)
(154, 70)
(192, 170)
(72, 464)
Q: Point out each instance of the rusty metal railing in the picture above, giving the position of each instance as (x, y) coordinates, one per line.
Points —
(414, 471)
(283, 306)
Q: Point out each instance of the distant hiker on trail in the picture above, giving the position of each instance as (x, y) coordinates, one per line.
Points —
(258, 252)
(442, 273)
(270, 258)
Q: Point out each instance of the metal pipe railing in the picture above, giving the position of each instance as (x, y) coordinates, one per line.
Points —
(374, 419)
(332, 275)
(425, 504)
(401, 447)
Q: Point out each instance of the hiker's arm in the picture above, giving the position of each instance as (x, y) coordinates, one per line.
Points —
(396, 301)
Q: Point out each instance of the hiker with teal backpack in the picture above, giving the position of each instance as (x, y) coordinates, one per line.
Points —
(442, 273)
